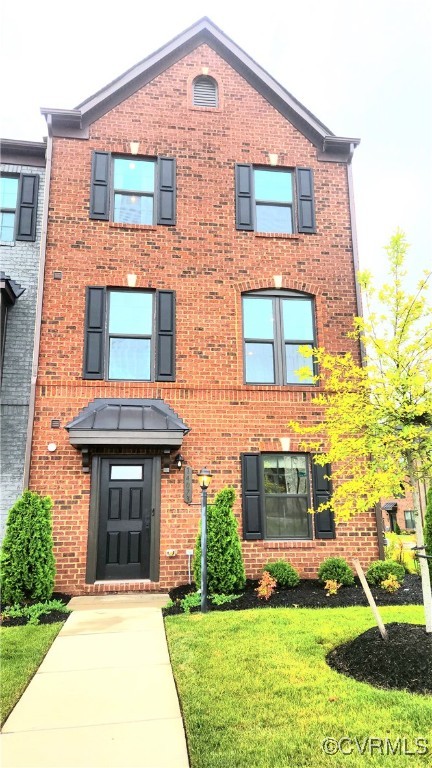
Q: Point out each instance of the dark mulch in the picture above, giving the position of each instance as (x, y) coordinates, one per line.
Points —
(404, 661)
(44, 618)
(309, 593)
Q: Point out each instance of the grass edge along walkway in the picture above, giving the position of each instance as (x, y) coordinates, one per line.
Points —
(255, 690)
(23, 649)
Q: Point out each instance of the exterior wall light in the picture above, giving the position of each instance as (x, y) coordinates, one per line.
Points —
(178, 460)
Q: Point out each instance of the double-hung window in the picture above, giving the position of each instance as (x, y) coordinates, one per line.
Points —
(275, 200)
(18, 207)
(275, 325)
(129, 335)
(278, 490)
(134, 186)
(132, 190)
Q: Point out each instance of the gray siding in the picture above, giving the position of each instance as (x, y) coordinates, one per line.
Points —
(20, 261)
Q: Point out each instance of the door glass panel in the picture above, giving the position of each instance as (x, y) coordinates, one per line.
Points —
(294, 361)
(126, 472)
(275, 186)
(274, 218)
(134, 175)
(297, 320)
(258, 318)
(130, 312)
(259, 364)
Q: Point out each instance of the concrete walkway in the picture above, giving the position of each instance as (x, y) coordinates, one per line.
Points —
(104, 695)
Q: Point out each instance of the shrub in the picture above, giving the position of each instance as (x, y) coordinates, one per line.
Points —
(380, 570)
(222, 599)
(428, 529)
(225, 568)
(336, 569)
(397, 529)
(27, 560)
(284, 573)
(331, 586)
(192, 600)
(391, 584)
(266, 586)
(35, 611)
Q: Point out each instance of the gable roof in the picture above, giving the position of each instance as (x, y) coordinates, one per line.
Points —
(76, 121)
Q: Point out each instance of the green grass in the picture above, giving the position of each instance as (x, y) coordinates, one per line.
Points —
(256, 691)
(22, 651)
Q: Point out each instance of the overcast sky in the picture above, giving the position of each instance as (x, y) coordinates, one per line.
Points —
(363, 67)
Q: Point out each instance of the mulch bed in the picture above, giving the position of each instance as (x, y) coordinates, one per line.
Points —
(309, 593)
(404, 662)
(44, 618)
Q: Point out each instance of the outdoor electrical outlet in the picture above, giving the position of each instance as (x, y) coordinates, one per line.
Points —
(171, 552)
(189, 552)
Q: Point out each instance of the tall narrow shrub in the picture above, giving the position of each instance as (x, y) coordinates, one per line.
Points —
(225, 568)
(27, 560)
(428, 529)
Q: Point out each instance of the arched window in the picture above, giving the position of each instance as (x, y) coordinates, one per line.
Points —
(205, 92)
(275, 324)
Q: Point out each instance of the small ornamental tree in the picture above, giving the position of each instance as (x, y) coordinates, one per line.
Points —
(376, 419)
(225, 568)
(27, 560)
(428, 529)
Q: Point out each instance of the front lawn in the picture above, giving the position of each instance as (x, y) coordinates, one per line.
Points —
(256, 691)
(22, 651)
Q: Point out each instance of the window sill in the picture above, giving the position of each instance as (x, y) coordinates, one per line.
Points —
(121, 225)
(288, 543)
(277, 235)
(7, 243)
(204, 109)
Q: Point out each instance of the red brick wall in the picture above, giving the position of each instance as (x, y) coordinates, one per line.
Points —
(209, 264)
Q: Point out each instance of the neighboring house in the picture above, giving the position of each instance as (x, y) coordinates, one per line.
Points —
(21, 194)
(400, 509)
(200, 228)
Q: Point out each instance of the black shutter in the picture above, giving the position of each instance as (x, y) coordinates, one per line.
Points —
(166, 203)
(305, 201)
(27, 207)
(94, 334)
(100, 186)
(165, 336)
(322, 489)
(252, 496)
(244, 198)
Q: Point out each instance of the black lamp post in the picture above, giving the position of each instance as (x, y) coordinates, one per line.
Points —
(204, 478)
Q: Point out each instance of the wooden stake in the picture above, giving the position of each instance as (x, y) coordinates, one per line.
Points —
(371, 601)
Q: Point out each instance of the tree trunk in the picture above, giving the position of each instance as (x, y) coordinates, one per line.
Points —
(424, 569)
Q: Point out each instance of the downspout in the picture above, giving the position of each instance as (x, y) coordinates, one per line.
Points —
(39, 300)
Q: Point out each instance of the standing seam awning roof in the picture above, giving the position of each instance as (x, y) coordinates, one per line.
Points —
(132, 421)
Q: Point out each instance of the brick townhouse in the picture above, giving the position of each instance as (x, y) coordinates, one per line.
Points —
(200, 228)
(21, 196)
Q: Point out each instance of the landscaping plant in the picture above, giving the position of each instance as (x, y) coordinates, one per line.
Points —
(266, 586)
(380, 570)
(27, 559)
(390, 584)
(395, 550)
(286, 576)
(225, 568)
(331, 587)
(336, 569)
